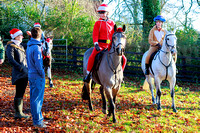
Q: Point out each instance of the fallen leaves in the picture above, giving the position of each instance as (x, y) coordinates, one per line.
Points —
(65, 111)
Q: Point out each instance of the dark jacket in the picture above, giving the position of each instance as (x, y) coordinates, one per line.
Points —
(34, 59)
(17, 58)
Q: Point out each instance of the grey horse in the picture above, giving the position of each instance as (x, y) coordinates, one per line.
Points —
(110, 73)
(163, 68)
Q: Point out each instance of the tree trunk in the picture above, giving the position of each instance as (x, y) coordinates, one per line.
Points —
(151, 8)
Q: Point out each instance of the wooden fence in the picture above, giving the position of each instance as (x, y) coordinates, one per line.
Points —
(72, 58)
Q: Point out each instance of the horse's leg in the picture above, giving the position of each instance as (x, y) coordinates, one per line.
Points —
(149, 80)
(158, 92)
(172, 85)
(108, 92)
(114, 93)
(49, 76)
(89, 90)
(93, 85)
(104, 110)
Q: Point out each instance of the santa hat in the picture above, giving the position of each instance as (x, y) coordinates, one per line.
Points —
(15, 32)
(120, 29)
(103, 7)
(48, 40)
(37, 25)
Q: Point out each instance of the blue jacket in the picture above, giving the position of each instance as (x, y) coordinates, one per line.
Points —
(34, 59)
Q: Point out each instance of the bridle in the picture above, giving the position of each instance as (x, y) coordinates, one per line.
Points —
(172, 47)
(113, 44)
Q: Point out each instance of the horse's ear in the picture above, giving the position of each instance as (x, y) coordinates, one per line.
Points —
(174, 31)
(167, 32)
(124, 28)
(115, 28)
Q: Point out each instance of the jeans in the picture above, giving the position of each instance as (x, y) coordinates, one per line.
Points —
(37, 86)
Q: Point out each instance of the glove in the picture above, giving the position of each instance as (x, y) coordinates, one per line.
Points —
(159, 46)
(96, 45)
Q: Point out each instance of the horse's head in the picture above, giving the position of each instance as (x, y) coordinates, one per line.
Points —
(48, 45)
(119, 40)
(170, 41)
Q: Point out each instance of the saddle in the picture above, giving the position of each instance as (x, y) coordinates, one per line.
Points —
(98, 59)
(151, 59)
(96, 65)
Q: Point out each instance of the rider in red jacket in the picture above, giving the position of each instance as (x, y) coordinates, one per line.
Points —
(102, 36)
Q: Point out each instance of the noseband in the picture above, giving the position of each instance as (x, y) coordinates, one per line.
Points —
(167, 43)
(168, 39)
(113, 44)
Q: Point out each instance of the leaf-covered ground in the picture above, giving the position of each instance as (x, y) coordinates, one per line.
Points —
(65, 111)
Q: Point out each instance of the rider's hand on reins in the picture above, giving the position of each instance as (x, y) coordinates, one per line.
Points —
(159, 46)
(97, 47)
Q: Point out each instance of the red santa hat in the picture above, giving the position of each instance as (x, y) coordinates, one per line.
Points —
(103, 7)
(15, 32)
(48, 40)
(37, 25)
(120, 29)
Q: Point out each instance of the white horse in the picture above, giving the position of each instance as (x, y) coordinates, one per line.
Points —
(163, 68)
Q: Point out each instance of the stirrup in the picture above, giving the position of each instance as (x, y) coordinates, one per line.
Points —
(147, 72)
(87, 78)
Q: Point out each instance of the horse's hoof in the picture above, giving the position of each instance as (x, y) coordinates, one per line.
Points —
(91, 108)
(51, 85)
(174, 110)
(104, 111)
(114, 121)
(159, 108)
(109, 114)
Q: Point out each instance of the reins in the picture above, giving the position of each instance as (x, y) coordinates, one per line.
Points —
(158, 54)
(111, 65)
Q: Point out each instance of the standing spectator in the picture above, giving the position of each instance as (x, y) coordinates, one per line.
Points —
(36, 76)
(2, 51)
(17, 58)
(42, 36)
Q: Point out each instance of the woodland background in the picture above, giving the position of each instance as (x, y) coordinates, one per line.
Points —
(74, 20)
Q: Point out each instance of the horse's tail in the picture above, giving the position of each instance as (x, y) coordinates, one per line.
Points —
(84, 93)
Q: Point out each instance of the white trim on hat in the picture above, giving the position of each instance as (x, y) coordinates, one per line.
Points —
(37, 25)
(16, 34)
(102, 8)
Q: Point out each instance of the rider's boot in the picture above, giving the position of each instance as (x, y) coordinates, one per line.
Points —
(87, 77)
(146, 69)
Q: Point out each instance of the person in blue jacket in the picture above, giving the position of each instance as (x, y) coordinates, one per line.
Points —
(36, 76)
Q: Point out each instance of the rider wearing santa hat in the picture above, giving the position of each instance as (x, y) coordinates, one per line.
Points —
(102, 36)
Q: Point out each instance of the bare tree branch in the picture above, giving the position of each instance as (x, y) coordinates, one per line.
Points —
(180, 9)
(43, 7)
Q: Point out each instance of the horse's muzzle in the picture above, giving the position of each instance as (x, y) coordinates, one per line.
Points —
(120, 50)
